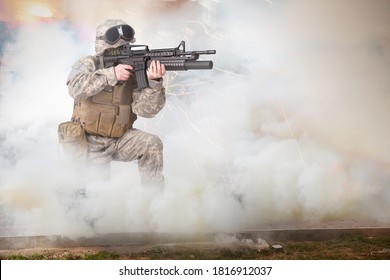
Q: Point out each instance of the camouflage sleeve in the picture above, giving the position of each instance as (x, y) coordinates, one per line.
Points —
(85, 81)
(149, 101)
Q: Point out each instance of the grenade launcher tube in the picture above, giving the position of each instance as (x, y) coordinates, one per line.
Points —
(184, 65)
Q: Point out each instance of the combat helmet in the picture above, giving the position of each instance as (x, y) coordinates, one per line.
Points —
(113, 33)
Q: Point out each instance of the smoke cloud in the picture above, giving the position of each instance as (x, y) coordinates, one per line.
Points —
(290, 126)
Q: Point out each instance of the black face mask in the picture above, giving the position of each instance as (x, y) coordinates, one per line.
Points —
(115, 33)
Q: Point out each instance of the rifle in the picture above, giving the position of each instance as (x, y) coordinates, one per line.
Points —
(140, 57)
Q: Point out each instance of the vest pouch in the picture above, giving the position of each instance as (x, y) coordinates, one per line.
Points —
(106, 124)
(72, 138)
(122, 121)
(124, 114)
(92, 122)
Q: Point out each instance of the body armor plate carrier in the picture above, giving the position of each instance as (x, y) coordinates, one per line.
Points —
(107, 113)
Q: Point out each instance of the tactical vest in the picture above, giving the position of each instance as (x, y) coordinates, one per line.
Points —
(107, 113)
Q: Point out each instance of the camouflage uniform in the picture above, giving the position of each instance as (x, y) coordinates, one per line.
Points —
(85, 81)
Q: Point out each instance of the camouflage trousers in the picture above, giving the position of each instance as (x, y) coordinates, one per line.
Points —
(133, 145)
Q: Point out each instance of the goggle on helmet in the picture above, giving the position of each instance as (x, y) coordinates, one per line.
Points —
(114, 34)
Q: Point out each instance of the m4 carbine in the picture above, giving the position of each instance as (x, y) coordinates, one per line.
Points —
(140, 57)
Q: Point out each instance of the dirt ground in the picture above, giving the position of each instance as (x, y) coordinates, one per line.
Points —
(348, 247)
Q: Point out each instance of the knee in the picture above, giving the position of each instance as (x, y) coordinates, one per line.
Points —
(154, 142)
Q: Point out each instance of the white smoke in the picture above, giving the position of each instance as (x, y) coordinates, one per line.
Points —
(289, 126)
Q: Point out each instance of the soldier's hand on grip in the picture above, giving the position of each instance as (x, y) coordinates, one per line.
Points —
(156, 70)
(123, 72)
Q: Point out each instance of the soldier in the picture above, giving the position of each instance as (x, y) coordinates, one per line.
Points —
(107, 104)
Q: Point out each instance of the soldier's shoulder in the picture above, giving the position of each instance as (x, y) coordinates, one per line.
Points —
(88, 62)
